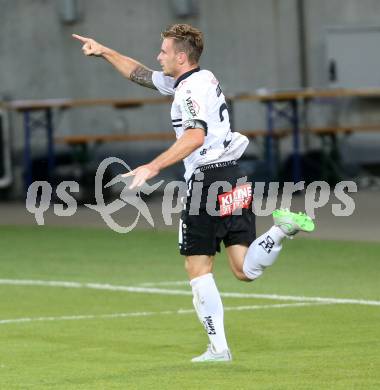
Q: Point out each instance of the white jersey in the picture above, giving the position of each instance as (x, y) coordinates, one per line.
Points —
(198, 97)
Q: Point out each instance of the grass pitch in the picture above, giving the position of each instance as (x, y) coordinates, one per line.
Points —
(75, 337)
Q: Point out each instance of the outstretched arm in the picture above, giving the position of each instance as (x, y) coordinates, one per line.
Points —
(191, 140)
(127, 66)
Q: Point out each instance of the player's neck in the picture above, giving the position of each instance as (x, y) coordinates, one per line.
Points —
(184, 70)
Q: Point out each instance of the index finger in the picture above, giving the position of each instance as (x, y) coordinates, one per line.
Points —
(80, 38)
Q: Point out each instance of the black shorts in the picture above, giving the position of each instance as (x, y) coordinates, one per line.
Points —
(202, 234)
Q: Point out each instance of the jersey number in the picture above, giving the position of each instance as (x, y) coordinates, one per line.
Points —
(222, 108)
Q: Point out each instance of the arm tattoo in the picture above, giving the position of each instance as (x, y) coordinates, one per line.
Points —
(142, 76)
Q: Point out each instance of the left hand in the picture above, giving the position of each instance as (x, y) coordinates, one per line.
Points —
(142, 174)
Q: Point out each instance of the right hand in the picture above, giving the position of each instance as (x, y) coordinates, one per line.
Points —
(90, 47)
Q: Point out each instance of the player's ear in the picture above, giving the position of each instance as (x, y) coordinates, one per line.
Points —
(181, 57)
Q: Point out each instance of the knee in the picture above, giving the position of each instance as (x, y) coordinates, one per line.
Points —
(197, 267)
(239, 275)
(238, 272)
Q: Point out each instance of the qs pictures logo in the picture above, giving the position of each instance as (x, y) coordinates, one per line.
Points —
(39, 196)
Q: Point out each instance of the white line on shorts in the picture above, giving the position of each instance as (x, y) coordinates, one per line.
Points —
(162, 291)
(147, 313)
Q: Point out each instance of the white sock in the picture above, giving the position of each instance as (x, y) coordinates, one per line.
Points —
(263, 252)
(209, 307)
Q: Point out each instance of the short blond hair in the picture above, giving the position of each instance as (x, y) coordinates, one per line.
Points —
(187, 39)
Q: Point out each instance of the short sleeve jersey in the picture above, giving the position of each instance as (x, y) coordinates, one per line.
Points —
(198, 98)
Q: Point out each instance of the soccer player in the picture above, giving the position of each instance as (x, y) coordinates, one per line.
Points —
(210, 151)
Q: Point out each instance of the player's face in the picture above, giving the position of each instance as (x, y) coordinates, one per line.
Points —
(168, 58)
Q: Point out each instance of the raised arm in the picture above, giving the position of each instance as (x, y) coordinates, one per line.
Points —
(127, 66)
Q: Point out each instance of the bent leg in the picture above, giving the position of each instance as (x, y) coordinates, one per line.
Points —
(236, 255)
(263, 252)
(248, 264)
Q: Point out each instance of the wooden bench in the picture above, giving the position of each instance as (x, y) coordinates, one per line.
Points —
(344, 129)
(100, 138)
(162, 136)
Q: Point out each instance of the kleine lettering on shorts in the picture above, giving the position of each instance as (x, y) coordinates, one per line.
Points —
(239, 198)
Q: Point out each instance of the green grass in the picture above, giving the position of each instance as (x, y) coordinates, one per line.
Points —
(313, 347)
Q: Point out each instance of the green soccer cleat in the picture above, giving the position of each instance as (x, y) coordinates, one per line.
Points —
(211, 356)
(291, 223)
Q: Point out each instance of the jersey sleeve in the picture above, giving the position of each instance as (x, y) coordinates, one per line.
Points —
(193, 105)
(164, 84)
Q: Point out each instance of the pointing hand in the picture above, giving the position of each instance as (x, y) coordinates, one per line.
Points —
(90, 47)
